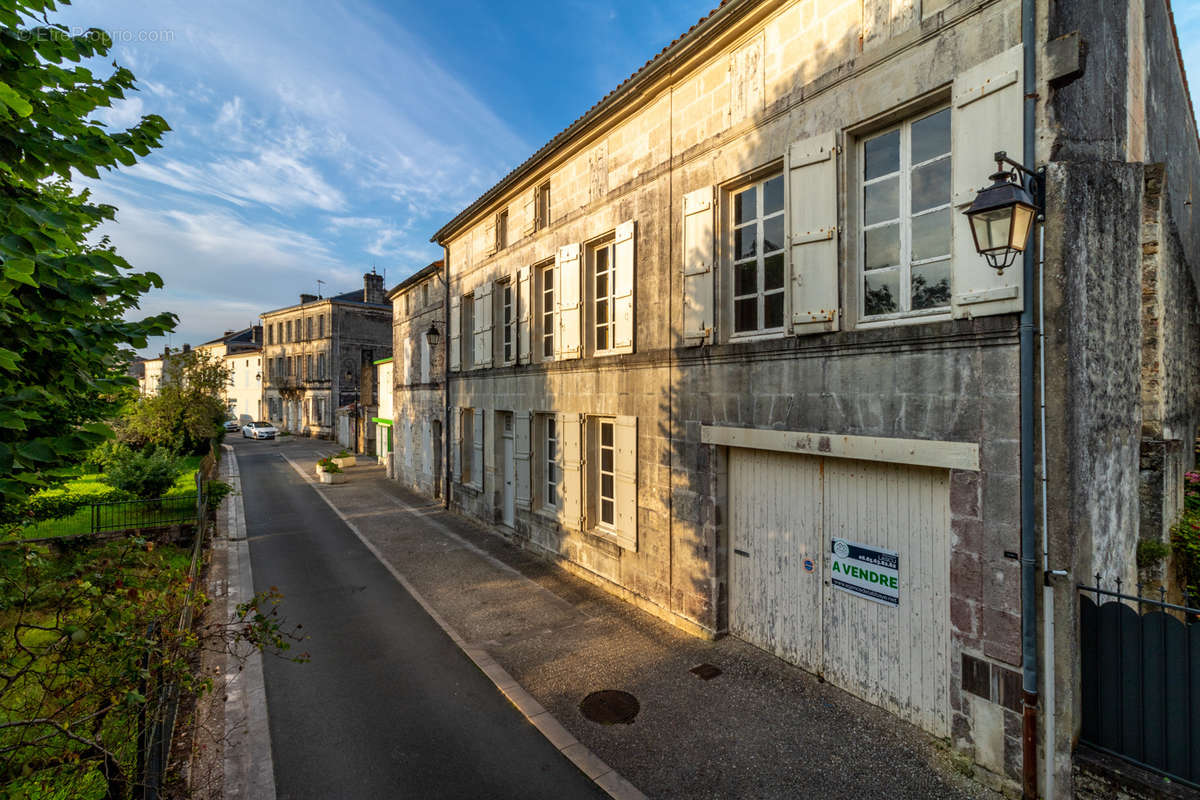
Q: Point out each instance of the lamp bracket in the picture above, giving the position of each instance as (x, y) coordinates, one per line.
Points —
(1034, 181)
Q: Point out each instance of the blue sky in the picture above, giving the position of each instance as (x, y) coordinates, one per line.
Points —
(317, 138)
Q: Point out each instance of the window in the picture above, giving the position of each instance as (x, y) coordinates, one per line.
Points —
(308, 328)
(308, 368)
(321, 327)
(502, 230)
(289, 331)
(468, 328)
(546, 311)
(602, 297)
(758, 288)
(320, 366)
(906, 218)
(551, 474)
(605, 498)
(508, 321)
(407, 306)
(271, 333)
(542, 211)
(424, 295)
(290, 365)
(466, 453)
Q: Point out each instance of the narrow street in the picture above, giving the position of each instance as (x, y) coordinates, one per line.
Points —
(388, 706)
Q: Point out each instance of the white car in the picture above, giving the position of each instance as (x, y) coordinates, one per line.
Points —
(231, 426)
(258, 430)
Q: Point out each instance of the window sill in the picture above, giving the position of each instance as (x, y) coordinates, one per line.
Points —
(775, 333)
(910, 318)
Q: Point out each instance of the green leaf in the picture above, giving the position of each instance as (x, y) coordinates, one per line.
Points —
(36, 450)
(8, 360)
(21, 271)
(10, 98)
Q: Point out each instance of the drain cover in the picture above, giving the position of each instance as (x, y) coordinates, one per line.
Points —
(610, 707)
(705, 672)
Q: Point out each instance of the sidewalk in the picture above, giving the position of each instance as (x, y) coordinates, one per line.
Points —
(761, 728)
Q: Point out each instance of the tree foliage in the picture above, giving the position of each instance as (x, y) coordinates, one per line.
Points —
(188, 409)
(63, 298)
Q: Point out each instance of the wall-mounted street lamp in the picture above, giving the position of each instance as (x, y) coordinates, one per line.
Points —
(433, 336)
(1003, 214)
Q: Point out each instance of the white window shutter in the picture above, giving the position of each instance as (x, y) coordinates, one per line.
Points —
(985, 117)
(524, 304)
(812, 207)
(477, 449)
(456, 332)
(489, 238)
(530, 211)
(483, 326)
(567, 264)
(625, 441)
(570, 436)
(624, 260)
(521, 442)
(698, 263)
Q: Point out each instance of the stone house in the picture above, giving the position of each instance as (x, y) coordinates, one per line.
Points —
(314, 355)
(241, 352)
(727, 339)
(419, 310)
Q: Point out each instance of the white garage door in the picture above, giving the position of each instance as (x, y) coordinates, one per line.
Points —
(786, 510)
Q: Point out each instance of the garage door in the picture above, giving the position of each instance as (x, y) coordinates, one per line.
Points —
(785, 512)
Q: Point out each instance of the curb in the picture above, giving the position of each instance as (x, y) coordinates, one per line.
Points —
(575, 751)
(249, 767)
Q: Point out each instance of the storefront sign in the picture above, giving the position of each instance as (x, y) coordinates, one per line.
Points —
(866, 571)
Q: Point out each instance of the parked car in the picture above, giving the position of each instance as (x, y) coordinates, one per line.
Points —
(258, 430)
(232, 426)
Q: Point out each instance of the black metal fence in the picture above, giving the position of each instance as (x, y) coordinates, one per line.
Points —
(1140, 661)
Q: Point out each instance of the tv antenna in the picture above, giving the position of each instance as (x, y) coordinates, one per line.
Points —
(320, 283)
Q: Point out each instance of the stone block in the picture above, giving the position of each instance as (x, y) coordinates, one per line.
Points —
(965, 576)
(1002, 636)
(964, 616)
(987, 729)
(968, 534)
(964, 493)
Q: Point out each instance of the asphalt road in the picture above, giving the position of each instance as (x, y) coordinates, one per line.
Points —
(388, 707)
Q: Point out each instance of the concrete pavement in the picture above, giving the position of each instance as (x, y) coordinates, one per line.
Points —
(761, 728)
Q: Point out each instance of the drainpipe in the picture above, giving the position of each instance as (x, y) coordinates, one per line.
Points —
(1029, 664)
(444, 276)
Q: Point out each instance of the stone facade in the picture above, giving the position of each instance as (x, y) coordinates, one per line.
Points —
(418, 375)
(241, 352)
(597, 296)
(315, 354)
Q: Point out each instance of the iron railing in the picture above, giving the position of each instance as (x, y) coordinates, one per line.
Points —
(1140, 681)
(160, 512)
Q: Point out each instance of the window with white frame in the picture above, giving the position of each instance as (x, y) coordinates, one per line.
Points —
(502, 230)
(758, 289)
(508, 322)
(906, 218)
(321, 327)
(602, 297)
(604, 498)
(546, 311)
(551, 473)
(542, 218)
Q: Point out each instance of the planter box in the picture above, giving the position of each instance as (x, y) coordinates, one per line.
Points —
(348, 461)
(332, 477)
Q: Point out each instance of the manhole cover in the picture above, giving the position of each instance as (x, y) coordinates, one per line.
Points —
(705, 672)
(610, 707)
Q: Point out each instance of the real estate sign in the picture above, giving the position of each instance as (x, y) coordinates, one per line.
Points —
(866, 571)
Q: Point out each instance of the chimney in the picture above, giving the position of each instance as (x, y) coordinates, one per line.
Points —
(373, 287)
(256, 334)
(187, 348)
(307, 298)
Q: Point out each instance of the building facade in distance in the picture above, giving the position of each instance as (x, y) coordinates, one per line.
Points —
(241, 353)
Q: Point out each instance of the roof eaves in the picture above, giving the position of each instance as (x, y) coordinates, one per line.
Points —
(416, 277)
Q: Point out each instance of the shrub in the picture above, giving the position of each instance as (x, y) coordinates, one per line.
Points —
(214, 493)
(343, 453)
(105, 455)
(146, 474)
(1151, 552)
(329, 465)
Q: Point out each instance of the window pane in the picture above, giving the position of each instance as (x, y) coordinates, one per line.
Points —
(931, 285)
(773, 234)
(882, 246)
(773, 195)
(881, 292)
(602, 259)
(882, 155)
(744, 241)
(744, 206)
(606, 485)
(931, 136)
(602, 285)
(931, 185)
(606, 511)
(606, 434)
(602, 338)
(606, 459)
(931, 235)
(773, 272)
(773, 310)
(882, 201)
(745, 315)
(745, 278)
(551, 496)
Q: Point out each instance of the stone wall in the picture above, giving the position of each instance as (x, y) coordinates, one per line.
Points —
(418, 433)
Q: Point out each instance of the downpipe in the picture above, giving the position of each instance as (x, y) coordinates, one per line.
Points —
(1029, 664)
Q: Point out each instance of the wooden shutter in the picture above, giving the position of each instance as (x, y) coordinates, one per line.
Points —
(458, 448)
(624, 260)
(698, 261)
(530, 211)
(477, 449)
(625, 441)
(456, 332)
(567, 265)
(483, 326)
(524, 300)
(489, 237)
(570, 490)
(521, 442)
(985, 117)
(812, 207)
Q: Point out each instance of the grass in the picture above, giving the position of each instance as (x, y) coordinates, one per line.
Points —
(91, 484)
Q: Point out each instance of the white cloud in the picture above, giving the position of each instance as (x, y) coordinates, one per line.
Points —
(122, 114)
